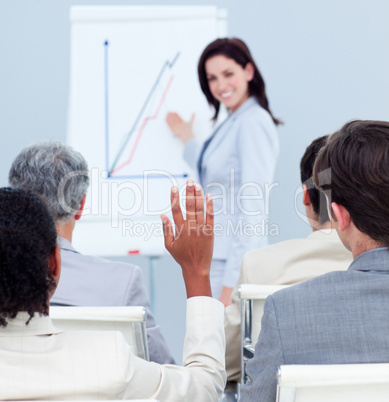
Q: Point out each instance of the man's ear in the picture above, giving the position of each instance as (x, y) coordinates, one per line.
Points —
(79, 212)
(249, 71)
(55, 263)
(342, 216)
(306, 197)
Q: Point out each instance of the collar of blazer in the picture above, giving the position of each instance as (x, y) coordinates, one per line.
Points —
(246, 105)
(38, 325)
(376, 259)
(219, 134)
(66, 245)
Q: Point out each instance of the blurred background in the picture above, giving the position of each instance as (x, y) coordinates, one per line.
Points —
(324, 63)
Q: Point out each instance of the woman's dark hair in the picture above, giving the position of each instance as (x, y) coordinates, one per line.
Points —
(235, 49)
(353, 170)
(316, 197)
(27, 240)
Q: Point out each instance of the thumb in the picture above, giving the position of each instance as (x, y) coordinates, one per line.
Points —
(192, 118)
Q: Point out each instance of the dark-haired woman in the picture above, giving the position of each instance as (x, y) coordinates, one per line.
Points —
(236, 164)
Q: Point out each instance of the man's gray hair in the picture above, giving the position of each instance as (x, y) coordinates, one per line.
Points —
(56, 173)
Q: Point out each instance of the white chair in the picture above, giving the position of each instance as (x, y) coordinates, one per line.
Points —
(252, 300)
(129, 320)
(334, 382)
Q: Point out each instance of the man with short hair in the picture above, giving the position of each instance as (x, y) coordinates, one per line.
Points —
(340, 317)
(290, 261)
(59, 176)
(40, 362)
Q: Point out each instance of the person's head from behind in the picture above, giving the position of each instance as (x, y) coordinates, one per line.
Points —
(29, 258)
(353, 171)
(312, 196)
(56, 173)
(228, 74)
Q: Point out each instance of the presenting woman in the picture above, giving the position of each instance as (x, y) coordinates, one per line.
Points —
(236, 163)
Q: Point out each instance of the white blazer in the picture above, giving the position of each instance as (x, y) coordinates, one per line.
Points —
(39, 361)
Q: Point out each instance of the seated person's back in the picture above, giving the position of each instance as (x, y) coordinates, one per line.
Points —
(86, 281)
(290, 261)
(339, 317)
(39, 361)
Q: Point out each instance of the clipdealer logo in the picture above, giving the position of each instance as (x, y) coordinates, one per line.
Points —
(121, 199)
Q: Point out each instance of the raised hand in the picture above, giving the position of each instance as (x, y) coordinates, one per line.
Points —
(190, 242)
(181, 128)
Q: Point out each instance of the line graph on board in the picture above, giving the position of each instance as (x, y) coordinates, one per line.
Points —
(125, 153)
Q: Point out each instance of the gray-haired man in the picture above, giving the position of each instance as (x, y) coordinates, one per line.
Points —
(85, 280)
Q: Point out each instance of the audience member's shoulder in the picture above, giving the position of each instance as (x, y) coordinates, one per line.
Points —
(121, 269)
(90, 342)
(95, 262)
(111, 264)
(330, 280)
(324, 235)
(274, 249)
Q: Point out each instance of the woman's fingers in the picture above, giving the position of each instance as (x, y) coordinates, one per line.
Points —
(190, 202)
(209, 215)
(176, 208)
(174, 120)
(194, 212)
(199, 205)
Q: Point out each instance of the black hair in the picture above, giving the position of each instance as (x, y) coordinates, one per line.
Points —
(27, 240)
(317, 198)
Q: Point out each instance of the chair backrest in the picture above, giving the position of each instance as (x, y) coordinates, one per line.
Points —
(333, 382)
(252, 300)
(130, 320)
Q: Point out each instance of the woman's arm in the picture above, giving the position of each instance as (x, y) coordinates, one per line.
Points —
(190, 242)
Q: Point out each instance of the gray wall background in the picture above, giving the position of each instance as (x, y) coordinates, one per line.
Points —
(324, 63)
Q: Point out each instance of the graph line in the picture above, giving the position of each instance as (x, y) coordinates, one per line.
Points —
(166, 65)
(106, 44)
(145, 121)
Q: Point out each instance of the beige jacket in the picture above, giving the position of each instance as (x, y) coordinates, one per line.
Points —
(284, 263)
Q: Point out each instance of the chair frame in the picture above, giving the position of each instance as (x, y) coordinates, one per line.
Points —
(248, 293)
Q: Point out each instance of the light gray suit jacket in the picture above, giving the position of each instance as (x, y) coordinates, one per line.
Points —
(336, 318)
(238, 163)
(95, 281)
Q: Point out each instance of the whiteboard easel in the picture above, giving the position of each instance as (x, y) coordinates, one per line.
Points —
(130, 66)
